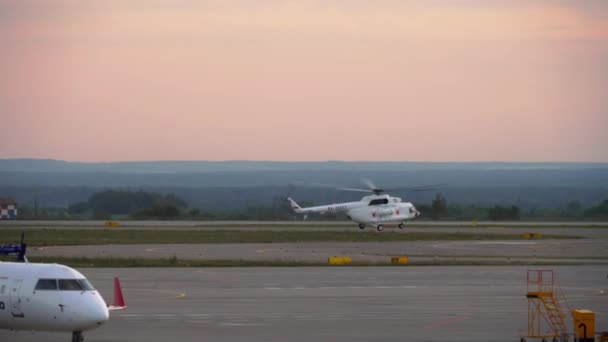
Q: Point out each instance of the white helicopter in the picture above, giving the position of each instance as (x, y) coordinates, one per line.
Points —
(373, 210)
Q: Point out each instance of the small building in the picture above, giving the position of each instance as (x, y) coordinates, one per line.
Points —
(8, 209)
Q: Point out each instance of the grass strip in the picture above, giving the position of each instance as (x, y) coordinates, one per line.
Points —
(506, 257)
(288, 226)
(69, 237)
(78, 262)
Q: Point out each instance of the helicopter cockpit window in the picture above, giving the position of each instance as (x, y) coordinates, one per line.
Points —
(378, 201)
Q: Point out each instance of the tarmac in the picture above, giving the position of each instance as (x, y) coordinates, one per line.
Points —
(411, 303)
(592, 247)
(328, 304)
(419, 252)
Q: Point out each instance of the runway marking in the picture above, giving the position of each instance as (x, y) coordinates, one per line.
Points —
(577, 297)
(198, 322)
(229, 324)
(443, 323)
(473, 243)
(505, 243)
(340, 287)
(175, 295)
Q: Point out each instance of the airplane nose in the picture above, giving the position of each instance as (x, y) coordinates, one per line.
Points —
(417, 213)
(97, 315)
(102, 315)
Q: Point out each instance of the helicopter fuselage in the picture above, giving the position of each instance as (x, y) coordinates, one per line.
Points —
(370, 210)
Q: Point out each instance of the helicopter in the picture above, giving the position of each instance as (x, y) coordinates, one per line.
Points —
(376, 210)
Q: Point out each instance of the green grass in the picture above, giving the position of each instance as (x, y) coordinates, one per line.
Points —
(78, 262)
(171, 262)
(66, 237)
(482, 256)
(127, 224)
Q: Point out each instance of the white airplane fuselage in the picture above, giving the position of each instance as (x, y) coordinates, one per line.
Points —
(30, 301)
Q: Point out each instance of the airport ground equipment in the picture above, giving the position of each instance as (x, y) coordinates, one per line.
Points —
(584, 325)
(339, 260)
(18, 250)
(400, 260)
(532, 235)
(546, 318)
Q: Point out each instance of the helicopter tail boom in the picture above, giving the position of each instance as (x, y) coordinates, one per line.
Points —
(294, 205)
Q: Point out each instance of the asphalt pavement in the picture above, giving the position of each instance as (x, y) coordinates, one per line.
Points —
(329, 304)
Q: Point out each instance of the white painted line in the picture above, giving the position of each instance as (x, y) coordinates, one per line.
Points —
(228, 324)
(198, 322)
(506, 243)
(341, 287)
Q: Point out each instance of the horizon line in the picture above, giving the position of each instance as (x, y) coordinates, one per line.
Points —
(309, 161)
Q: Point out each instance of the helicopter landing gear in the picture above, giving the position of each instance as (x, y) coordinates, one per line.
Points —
(77, 336)
(380, 227)
(401, 226)
(361, 226)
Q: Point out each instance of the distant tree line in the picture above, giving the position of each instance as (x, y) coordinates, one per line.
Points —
(143, 205)
(439, 209)
(134, 204)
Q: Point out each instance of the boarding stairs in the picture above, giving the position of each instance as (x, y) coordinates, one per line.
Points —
(544, 300)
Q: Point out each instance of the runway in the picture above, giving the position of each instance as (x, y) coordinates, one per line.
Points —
(424, 252)
(592, 247)
(329, 304)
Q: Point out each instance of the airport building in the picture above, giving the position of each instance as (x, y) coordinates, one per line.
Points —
(8, 209)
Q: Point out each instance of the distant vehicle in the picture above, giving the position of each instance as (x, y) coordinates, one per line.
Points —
(373, 210)
(51, 297)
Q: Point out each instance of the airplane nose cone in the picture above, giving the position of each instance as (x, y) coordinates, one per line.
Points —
(417, 213)
(102, 315)
(96, 315)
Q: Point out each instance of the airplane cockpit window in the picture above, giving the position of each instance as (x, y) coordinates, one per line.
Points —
(46, 284)
(75, 285)
(86, 285)
(70, 285)
(378, 201)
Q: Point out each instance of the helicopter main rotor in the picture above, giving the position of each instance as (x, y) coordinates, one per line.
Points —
(372, 188)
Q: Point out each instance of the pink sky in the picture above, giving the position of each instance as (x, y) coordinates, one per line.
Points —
(469, 80)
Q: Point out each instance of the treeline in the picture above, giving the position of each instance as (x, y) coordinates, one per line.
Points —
(136, 205)
(439, 209)
(143, 205)
(221, 197)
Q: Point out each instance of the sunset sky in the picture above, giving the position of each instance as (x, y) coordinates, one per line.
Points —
(450, 80)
